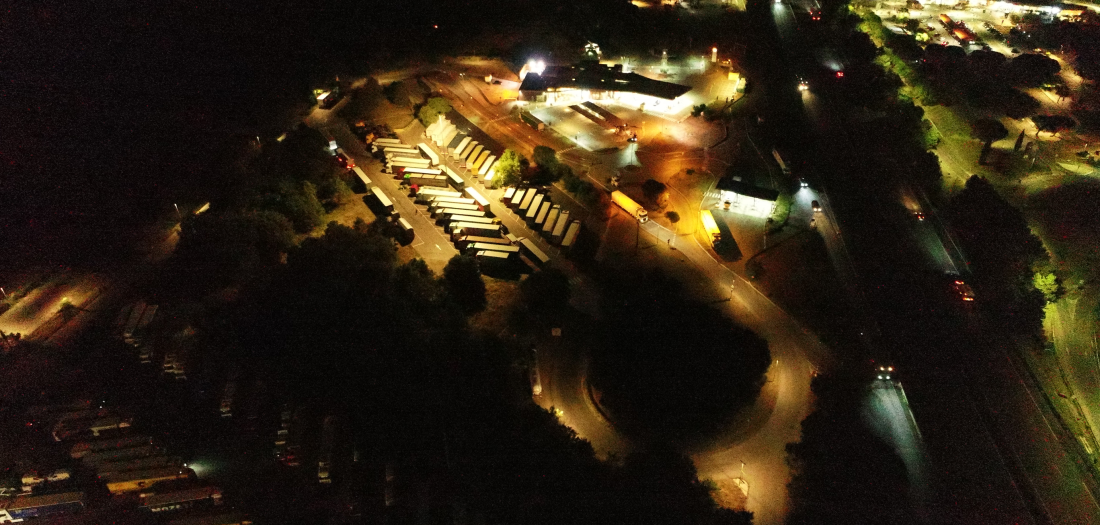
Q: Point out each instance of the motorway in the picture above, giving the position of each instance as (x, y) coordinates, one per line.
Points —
(987, 419)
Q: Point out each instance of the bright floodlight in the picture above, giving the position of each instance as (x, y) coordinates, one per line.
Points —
(536, 66)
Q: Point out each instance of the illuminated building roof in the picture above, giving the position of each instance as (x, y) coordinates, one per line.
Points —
(599, 77)
(746, 189)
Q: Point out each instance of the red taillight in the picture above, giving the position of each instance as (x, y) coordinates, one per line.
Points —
(839, 74)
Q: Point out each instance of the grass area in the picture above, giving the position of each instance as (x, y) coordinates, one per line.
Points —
(798, 276)
(782, 211)
(501, 297)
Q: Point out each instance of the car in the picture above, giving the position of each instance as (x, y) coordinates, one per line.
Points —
(803, 85)
(802, 182)
(919, 215)
(885, 372)
(965, 292)
(816, 206)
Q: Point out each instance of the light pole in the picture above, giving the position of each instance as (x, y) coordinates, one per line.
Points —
(733, 286)
(178, 215)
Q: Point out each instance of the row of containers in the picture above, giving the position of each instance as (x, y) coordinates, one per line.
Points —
(136, 470)
(463, 211)
(467, 217)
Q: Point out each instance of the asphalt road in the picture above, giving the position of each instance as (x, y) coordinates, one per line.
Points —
(1016, 446)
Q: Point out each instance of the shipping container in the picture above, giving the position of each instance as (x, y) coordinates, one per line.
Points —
(551, 218)
(570, 237)
(480, 200)
(536, 255)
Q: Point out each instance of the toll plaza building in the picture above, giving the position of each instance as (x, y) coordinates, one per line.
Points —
(594, 81)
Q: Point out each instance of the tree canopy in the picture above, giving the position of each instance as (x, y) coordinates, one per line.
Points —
(509, 169)
(1002, 251)
(432, 109)
(463, 279)
(673, 368)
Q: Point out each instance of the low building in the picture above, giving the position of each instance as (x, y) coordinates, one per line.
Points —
(592, 80)
(745, 198)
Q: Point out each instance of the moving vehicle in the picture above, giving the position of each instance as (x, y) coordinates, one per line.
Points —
(965, 292)
(885, 372)
(344, 159)
(631, 207)
(815, 205)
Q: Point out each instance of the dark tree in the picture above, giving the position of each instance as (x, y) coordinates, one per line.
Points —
(546, 291)
(670, 367)
(432, 109)
(988, 131)
(300, 203)
(398, 94)
(1031, 70)
(664, 489)
(219, 250)
(1018, 105)
(1002, 252)
(362, 101)
(463, 280)
(544, 156)
(1053, 123)
(841, 472)
(652, 189)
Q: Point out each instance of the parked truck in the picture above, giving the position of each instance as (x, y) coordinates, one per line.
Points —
(621, 200)
(30, 507)
(711, 227)
(84, 448)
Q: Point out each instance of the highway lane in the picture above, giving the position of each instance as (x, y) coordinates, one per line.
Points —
(1019, 426)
